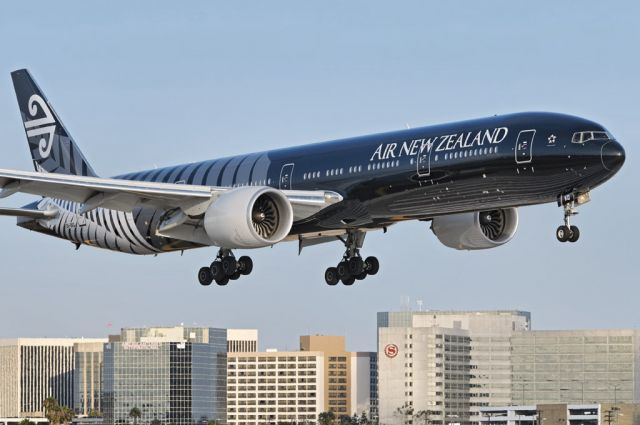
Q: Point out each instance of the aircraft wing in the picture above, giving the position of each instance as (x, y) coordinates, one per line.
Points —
(125, 195)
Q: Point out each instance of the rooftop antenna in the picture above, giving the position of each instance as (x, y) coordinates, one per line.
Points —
(419, 302)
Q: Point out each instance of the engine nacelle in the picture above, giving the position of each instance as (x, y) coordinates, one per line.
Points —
(476, 230)
(248, 217)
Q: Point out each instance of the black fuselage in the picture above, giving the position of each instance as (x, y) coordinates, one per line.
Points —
(496, 162)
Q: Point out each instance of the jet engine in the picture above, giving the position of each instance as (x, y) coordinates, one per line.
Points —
(248, 217)
(476, 230)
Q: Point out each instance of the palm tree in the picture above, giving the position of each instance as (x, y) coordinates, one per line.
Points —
(326, 418)
(66, 415)
(135, 414)
(52, 411)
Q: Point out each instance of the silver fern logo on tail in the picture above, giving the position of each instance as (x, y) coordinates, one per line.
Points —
(40, 126)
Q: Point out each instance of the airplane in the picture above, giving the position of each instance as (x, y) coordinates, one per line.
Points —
(466, 178)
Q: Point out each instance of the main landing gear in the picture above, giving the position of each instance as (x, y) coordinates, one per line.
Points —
(568, 232)
(352, 267)
(225, 268)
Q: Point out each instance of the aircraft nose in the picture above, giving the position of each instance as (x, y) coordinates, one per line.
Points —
(613, 155)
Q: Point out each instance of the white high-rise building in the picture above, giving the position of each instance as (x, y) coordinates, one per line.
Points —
(33, 369)
(442, 366)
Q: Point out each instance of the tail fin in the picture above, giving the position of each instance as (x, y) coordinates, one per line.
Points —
(52, 148)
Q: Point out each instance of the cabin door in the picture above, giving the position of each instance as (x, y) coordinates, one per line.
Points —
(423, 160)
(524, 146)
(285, 176)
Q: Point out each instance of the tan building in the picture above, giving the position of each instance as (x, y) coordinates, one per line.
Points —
(272, 386)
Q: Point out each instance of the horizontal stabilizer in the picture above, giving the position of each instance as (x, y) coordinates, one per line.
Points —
(27, 212)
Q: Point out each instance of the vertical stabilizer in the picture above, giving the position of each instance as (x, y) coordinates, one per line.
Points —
(52, 148)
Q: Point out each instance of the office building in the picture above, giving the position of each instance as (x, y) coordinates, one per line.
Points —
(242, 340)
(33, 369)
(296, 386)
(87, 378)
(562, 413)
(442, 366)
(446, 366)
(580, 366)
(273, 387)
(174, 375)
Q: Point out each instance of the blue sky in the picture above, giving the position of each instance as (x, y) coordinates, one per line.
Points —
(145, 83)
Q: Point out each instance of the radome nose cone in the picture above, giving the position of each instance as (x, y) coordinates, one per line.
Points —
(612, 156)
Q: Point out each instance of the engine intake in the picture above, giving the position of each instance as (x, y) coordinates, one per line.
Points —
(248, 217)
(476, 230)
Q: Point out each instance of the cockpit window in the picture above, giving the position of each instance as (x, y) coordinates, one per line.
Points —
(586, 136)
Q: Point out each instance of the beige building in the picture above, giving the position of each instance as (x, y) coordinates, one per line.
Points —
(296, 386)
(32, 369)
(242, 340)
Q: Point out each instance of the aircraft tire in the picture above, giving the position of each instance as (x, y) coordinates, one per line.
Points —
(563, 233)
(204, 276)
(245, 264)
(372, 265)
(331, 276)
(575, 234)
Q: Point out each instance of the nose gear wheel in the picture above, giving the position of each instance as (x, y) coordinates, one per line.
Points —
(568, 232)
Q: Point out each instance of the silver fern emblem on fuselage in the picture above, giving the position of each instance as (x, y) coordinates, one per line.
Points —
(45, 126)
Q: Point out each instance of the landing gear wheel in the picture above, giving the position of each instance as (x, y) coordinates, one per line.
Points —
(356, 266)
(235, 276)
(229, 265)
(343, 270)
(245, 264)
(348, 281)
(216, 270)
(223, 281)
(372, 265)
(361, 276)
(563, 233)
(204, 276)
(331, 276)
(575, 234)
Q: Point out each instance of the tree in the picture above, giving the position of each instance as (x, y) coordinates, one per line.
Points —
(363, 419)
(213, 422)
(134, 414)
(93, 413)
(156, 422)
(52, 411)
(325, 418)
(345, 420)
(26, 421)
(66, 415)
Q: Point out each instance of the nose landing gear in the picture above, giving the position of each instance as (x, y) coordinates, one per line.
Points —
(352, 267)
(568, 232)
(225, 268)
